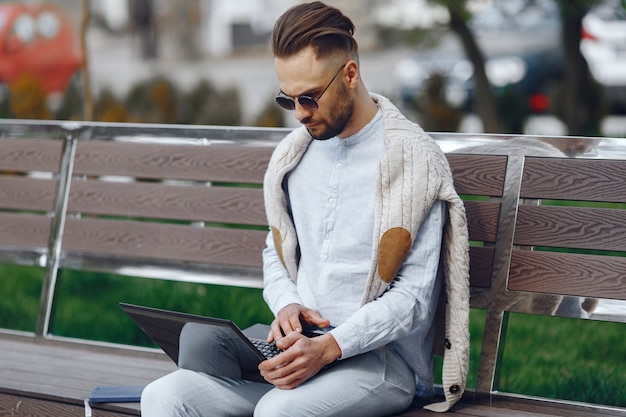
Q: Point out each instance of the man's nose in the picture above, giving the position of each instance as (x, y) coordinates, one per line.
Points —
(301, 113)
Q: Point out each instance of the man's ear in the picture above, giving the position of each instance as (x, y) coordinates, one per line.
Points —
(352, 71)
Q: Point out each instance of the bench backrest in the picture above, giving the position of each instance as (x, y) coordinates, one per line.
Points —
(561, 235)
(591, 227)
(176, 204)
(29, 170)
(185, 203)
(479, 179)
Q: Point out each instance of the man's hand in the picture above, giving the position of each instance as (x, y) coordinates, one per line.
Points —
(290, 318)
(302, 358)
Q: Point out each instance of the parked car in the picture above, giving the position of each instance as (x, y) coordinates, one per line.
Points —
(603, 44)
(37, 39)
(520, 41)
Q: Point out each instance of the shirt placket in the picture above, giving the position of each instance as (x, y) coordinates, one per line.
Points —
(330, 212)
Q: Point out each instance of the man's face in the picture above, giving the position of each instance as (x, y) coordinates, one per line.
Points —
(304, 75)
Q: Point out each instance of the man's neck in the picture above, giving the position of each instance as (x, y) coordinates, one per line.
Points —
(364, 110)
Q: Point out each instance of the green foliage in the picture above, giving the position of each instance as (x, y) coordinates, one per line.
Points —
(435, 113)
(87, 304)
(390, 36)
(576, 7)
(456, 6)
(206, 105)
(271, 115)
(570, 359)
(153, 101)
(71, 106)
(5, 111)
(21, 289)
(158, 100)
(110, 109)
(27, 99)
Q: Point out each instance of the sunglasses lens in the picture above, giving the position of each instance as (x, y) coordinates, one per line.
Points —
(308, 103)
(285, 103)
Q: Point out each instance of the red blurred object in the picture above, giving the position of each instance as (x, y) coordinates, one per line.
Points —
(585, 34)
(37, 40)
(538, 103)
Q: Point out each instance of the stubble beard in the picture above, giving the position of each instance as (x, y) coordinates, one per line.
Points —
(341, 114)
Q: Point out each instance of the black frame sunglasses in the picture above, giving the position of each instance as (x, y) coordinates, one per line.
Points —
(307, 102)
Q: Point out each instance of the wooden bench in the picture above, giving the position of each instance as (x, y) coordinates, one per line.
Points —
(185, 203)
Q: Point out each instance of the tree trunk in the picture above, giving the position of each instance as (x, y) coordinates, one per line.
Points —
(88, 108)
(486, 105)
(581, 108)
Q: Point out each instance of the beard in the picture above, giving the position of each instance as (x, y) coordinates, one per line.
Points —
(341, 114)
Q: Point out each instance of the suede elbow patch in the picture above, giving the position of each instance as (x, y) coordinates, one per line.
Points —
(394, 248)
(278, 243)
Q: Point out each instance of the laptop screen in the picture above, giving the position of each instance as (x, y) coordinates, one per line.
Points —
(164, 328)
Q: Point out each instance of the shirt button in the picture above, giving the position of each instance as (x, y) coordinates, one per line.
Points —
(331, 201)
(338, 165)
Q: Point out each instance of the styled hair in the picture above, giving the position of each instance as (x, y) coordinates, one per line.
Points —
(322, 27)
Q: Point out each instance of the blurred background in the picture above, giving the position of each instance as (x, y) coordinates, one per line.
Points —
(553, 67)
(550, 67)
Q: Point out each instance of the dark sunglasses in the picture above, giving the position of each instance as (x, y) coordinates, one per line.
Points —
(307, 102)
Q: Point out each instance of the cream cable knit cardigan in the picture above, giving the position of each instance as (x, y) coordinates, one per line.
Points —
(412, 175)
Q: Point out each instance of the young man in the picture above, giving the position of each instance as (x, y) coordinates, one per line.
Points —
(361, 205)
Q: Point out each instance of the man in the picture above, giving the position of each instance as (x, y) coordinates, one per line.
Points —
(360, 204)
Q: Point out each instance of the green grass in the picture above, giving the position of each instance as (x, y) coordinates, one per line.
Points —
(572, 359)
(20, 289)
(87, 304)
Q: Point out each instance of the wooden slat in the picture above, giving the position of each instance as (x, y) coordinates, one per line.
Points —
(19, 405)
(496, 405)
(482, 220)
(129, 239)
(67, 372)
(481, 266)
(24, 193)
(185, 162)
(568, 274)
(478, 174)
(25, 155)
(571, 227)
(24, 230)
(575, 179)
(155, 200)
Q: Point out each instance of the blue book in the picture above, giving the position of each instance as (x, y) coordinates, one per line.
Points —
(116, 394)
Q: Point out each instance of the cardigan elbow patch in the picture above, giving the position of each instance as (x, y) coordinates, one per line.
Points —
(278, 244)
(394, 248)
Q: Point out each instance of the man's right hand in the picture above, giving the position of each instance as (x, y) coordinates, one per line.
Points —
(290, 318)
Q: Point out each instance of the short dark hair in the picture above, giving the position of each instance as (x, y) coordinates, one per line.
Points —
(314, 24)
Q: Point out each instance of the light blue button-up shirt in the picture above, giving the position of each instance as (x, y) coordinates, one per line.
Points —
(331, 195)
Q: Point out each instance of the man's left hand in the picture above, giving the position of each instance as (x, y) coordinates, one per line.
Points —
(302, 358)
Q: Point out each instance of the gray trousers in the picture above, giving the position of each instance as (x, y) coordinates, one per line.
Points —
(214, 379)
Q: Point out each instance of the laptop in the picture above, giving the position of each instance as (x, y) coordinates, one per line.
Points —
(164, 327)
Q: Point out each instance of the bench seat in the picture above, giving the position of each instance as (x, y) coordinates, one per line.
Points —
(47, 377)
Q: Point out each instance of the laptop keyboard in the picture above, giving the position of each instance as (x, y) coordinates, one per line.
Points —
(268, 349)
